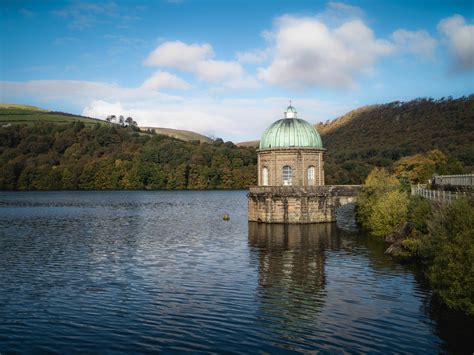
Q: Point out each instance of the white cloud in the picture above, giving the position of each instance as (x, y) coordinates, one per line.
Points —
(419, 43)
(177, 54)
(245, 82)
(460, 39)
(198, 59)
(309, 53)
(161, 80)
(218, 70)
(253, 57)
(77, 92)
(231, 119)
(228, 119)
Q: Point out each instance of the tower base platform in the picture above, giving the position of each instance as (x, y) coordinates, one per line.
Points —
(298, 204)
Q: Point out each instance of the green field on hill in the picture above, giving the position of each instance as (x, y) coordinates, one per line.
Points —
(184, 135)
(23, 114)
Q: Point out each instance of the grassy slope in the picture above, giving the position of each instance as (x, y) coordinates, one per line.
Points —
(179, 134)
(16, 114)
(253, 144)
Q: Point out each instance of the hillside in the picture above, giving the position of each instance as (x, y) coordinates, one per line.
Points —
(72, 156)
(379, 135)
(184, 135)
(17, 114)
(253, 144)
(79, 154)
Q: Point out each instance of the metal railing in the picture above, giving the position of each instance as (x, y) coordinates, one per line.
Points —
(437, 195)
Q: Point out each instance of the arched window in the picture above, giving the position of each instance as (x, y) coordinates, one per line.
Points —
(287, 175)
(265, 176)
(311, 175)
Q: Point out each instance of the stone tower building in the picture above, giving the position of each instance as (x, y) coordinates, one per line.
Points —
(291, 153)
(291, 176)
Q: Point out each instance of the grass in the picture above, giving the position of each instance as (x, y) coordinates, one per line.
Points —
(179, 134)
(24, 114)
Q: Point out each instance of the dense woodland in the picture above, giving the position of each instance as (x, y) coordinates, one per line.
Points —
(379, 135)
(48, 156)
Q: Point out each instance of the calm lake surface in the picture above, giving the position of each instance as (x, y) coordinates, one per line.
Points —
(138, 271)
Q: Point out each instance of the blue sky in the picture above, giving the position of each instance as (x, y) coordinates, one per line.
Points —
(228, 68)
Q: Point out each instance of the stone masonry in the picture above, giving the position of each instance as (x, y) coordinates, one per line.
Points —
(297, 204)
(298, 159)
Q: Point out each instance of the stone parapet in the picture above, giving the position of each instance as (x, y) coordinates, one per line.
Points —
(326, 190)
(298, 204)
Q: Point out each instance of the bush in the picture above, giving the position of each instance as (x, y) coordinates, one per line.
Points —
(450, 254)
(389, 213)
(419, 209)
(376, 185)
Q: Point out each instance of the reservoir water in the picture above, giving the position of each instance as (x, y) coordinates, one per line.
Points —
(137, 271)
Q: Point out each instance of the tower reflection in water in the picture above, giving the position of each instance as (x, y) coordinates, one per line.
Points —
(291, 275)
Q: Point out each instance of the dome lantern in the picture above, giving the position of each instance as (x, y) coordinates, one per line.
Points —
(290, 112)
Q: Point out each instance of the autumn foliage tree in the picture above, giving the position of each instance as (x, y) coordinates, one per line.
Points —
(74, 156)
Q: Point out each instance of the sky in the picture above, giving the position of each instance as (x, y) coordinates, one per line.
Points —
(229, 68)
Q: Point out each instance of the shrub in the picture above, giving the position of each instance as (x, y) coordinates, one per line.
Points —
(389, 213)
(376, 185)
(419, 209)
(450, 254)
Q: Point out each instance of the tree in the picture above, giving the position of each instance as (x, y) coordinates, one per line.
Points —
(389, 213)
(111, 118)
(449, 249)
(130, 122)
(376, 186)
(421, 167)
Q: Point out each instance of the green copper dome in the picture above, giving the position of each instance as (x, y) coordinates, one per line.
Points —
(291, 133)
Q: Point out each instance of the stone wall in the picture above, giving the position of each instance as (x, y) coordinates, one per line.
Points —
(293, 204)
(299, 160)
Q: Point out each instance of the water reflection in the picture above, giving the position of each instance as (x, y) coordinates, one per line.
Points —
(291, 276)
(292, 255)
